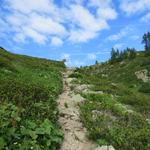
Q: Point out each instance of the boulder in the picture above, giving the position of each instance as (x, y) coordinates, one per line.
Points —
(105, 147)
(143, 75)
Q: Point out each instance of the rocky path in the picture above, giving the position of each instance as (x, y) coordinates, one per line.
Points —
(75, 135)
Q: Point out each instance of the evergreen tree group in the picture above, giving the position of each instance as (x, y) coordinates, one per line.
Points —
(146, 41)
(118, 56)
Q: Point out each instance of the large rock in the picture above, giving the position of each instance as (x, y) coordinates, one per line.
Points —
(143, 75)
(105, 147)
(102, 148)
(81, 88)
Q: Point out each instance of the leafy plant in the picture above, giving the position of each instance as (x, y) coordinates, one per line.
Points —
(145, 88)
(28, 108)
(111, 123)
(75, 75)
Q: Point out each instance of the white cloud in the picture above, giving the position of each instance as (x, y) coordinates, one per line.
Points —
(27, 6)
(41, 20)
(100, 3)
(133, 6)
(70, 2)
(107, 13)
(56, 41)
(85, 20)
(105, 9)
(3, 26)
(88, 24)
(77, 36)
(19, 37)
(146, 18)
(37, 37)
(17, 19)
(91, 56)
(46, 25)
(120, 35)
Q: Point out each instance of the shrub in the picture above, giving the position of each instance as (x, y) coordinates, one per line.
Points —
(75, 75)
(145, 88)
(16, 132)
(5, 63)
(28, 108)
(109, 123)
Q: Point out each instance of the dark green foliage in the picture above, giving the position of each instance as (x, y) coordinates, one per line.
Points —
(140, 102)
(119, 116)
(128, 53)
(110, 123)
(96, 62)
(120, 79)
(5, 63)
(28, 108)
(75, 75)
(114, 55)
(146, 41)
(145, 88)
(18, 132)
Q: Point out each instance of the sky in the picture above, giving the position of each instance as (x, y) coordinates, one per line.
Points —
(80, 31)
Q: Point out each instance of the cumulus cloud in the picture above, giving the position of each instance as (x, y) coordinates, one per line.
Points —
(85, 20)
(146, 18)
(28, 6)
(123, 32)
(107, 13)
(44, 20)
(3, 25)
(56, 41)
(19, 37)
(88, 24)
(34, 35)
(46, 25)
(133, 6)
(100, 3)
(70, 2)
(77, 36)
(105, 9)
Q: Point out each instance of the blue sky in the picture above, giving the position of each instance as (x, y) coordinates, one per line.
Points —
(81, 31)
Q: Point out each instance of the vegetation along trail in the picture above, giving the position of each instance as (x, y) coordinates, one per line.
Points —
(74, 132)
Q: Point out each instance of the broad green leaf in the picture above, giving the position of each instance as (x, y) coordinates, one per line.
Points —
(33, 135)
(2, 143)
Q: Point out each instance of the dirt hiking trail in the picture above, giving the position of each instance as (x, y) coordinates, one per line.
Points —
(75, 135)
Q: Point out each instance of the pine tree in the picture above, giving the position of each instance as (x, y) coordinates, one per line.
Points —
(146, 41)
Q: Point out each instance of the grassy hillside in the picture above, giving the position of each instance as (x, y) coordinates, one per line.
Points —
(28, 109)
(120, 116)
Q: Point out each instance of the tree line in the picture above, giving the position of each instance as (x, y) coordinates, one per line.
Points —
(146, 41)
(117, 56)
(130, 53)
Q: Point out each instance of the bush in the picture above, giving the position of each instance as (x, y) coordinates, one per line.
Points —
(16, 132)
(5, 63)
(147, 53)
(109, 122)
(145, 88)
(75, 75)
(28, 108)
